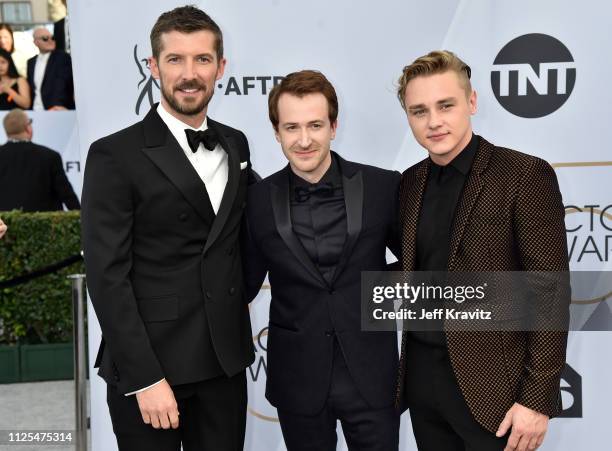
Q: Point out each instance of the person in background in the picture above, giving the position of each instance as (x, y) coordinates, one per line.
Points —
(50, 75)
(14, 90)
(61, 32)
(32, 176)
(3, 228)
(7, 42)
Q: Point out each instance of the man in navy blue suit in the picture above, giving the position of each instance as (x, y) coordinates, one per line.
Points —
(50, 75)
(314, 227)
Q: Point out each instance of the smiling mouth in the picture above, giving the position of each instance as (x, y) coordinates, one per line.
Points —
(438, 136)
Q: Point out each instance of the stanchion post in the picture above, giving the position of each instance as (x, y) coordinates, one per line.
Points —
(80, 362)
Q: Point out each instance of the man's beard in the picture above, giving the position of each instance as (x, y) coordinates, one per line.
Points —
(188, 109)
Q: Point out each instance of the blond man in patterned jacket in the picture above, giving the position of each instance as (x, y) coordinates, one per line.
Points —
(472, 207)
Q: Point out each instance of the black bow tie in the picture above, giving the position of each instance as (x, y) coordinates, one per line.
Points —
(207, 137)
(303, 193)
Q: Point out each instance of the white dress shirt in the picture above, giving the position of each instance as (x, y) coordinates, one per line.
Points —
(40, 65)
(211, 166)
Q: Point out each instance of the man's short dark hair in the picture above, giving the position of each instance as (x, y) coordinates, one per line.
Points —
(185, 19)
(300, 84)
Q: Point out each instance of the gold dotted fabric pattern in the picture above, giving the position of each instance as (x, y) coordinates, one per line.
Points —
(510, 218)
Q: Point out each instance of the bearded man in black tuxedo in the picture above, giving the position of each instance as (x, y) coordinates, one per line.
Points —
(163, 202)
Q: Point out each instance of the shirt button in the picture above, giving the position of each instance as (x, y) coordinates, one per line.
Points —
(230, 251)
(183, 217)
(332, 292)
(329, 333)
(232, 291)
(208, 295)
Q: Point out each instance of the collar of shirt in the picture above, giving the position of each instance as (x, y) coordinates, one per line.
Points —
(43, 57)
(177, 128)
(332, 175)
(463, 161)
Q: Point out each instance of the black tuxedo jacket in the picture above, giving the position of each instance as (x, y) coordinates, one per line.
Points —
(57, 86)
(306, 312)
(32, 178)
(164, 272)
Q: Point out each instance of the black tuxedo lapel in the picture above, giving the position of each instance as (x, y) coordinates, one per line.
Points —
(352, 185)
(166, 153)
(231, 188)
(471, 191)
(410, 213)
(279, 193)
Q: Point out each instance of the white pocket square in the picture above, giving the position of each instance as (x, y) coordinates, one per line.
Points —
(243, 165)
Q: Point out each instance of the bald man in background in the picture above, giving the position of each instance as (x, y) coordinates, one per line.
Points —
(32, 176)
(50, 75)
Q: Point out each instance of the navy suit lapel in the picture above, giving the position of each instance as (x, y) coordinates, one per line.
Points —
(352, 185)
(279, 193)
(48, 69)
(166, 153)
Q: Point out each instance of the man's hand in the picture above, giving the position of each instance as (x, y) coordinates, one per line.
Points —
(3, 228)
(528, 428)
(158, 406)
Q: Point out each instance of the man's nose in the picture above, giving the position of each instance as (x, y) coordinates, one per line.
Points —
(305, 139)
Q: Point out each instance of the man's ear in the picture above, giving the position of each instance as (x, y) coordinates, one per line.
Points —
(473, 102)
(153, 66)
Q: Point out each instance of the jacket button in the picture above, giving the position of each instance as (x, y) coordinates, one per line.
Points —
(329, 333)
(208, 295)
(332, 291)
(230, 251)
(182, 216)
(232, 291)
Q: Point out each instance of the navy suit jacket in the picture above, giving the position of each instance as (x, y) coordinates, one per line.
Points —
(57, 86)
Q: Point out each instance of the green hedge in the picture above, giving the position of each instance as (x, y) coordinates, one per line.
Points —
(39, 311)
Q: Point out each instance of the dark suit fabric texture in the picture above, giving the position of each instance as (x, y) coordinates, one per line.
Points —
(510, 217)
(32, 178)
(164, 272)
(310, 316)
(59, 34)
(57, 86)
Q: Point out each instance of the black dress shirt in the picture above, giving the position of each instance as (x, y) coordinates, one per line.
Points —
(440, 199)
(319, 218)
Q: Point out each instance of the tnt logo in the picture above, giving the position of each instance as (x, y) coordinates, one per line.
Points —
(533, 75)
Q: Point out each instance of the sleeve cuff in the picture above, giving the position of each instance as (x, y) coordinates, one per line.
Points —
(143, 389)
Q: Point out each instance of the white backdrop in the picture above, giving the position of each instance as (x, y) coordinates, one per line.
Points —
(362, 47)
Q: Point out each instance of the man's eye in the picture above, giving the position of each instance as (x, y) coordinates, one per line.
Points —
(316, 126)
(418, 112)
(446, 106)
(203, 59)
(173, 59)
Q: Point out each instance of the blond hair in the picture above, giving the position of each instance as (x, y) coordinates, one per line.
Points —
(436, 62)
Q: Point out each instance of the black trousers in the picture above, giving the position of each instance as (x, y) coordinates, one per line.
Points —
(365, 429)
(212, 417)
(441, 420)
